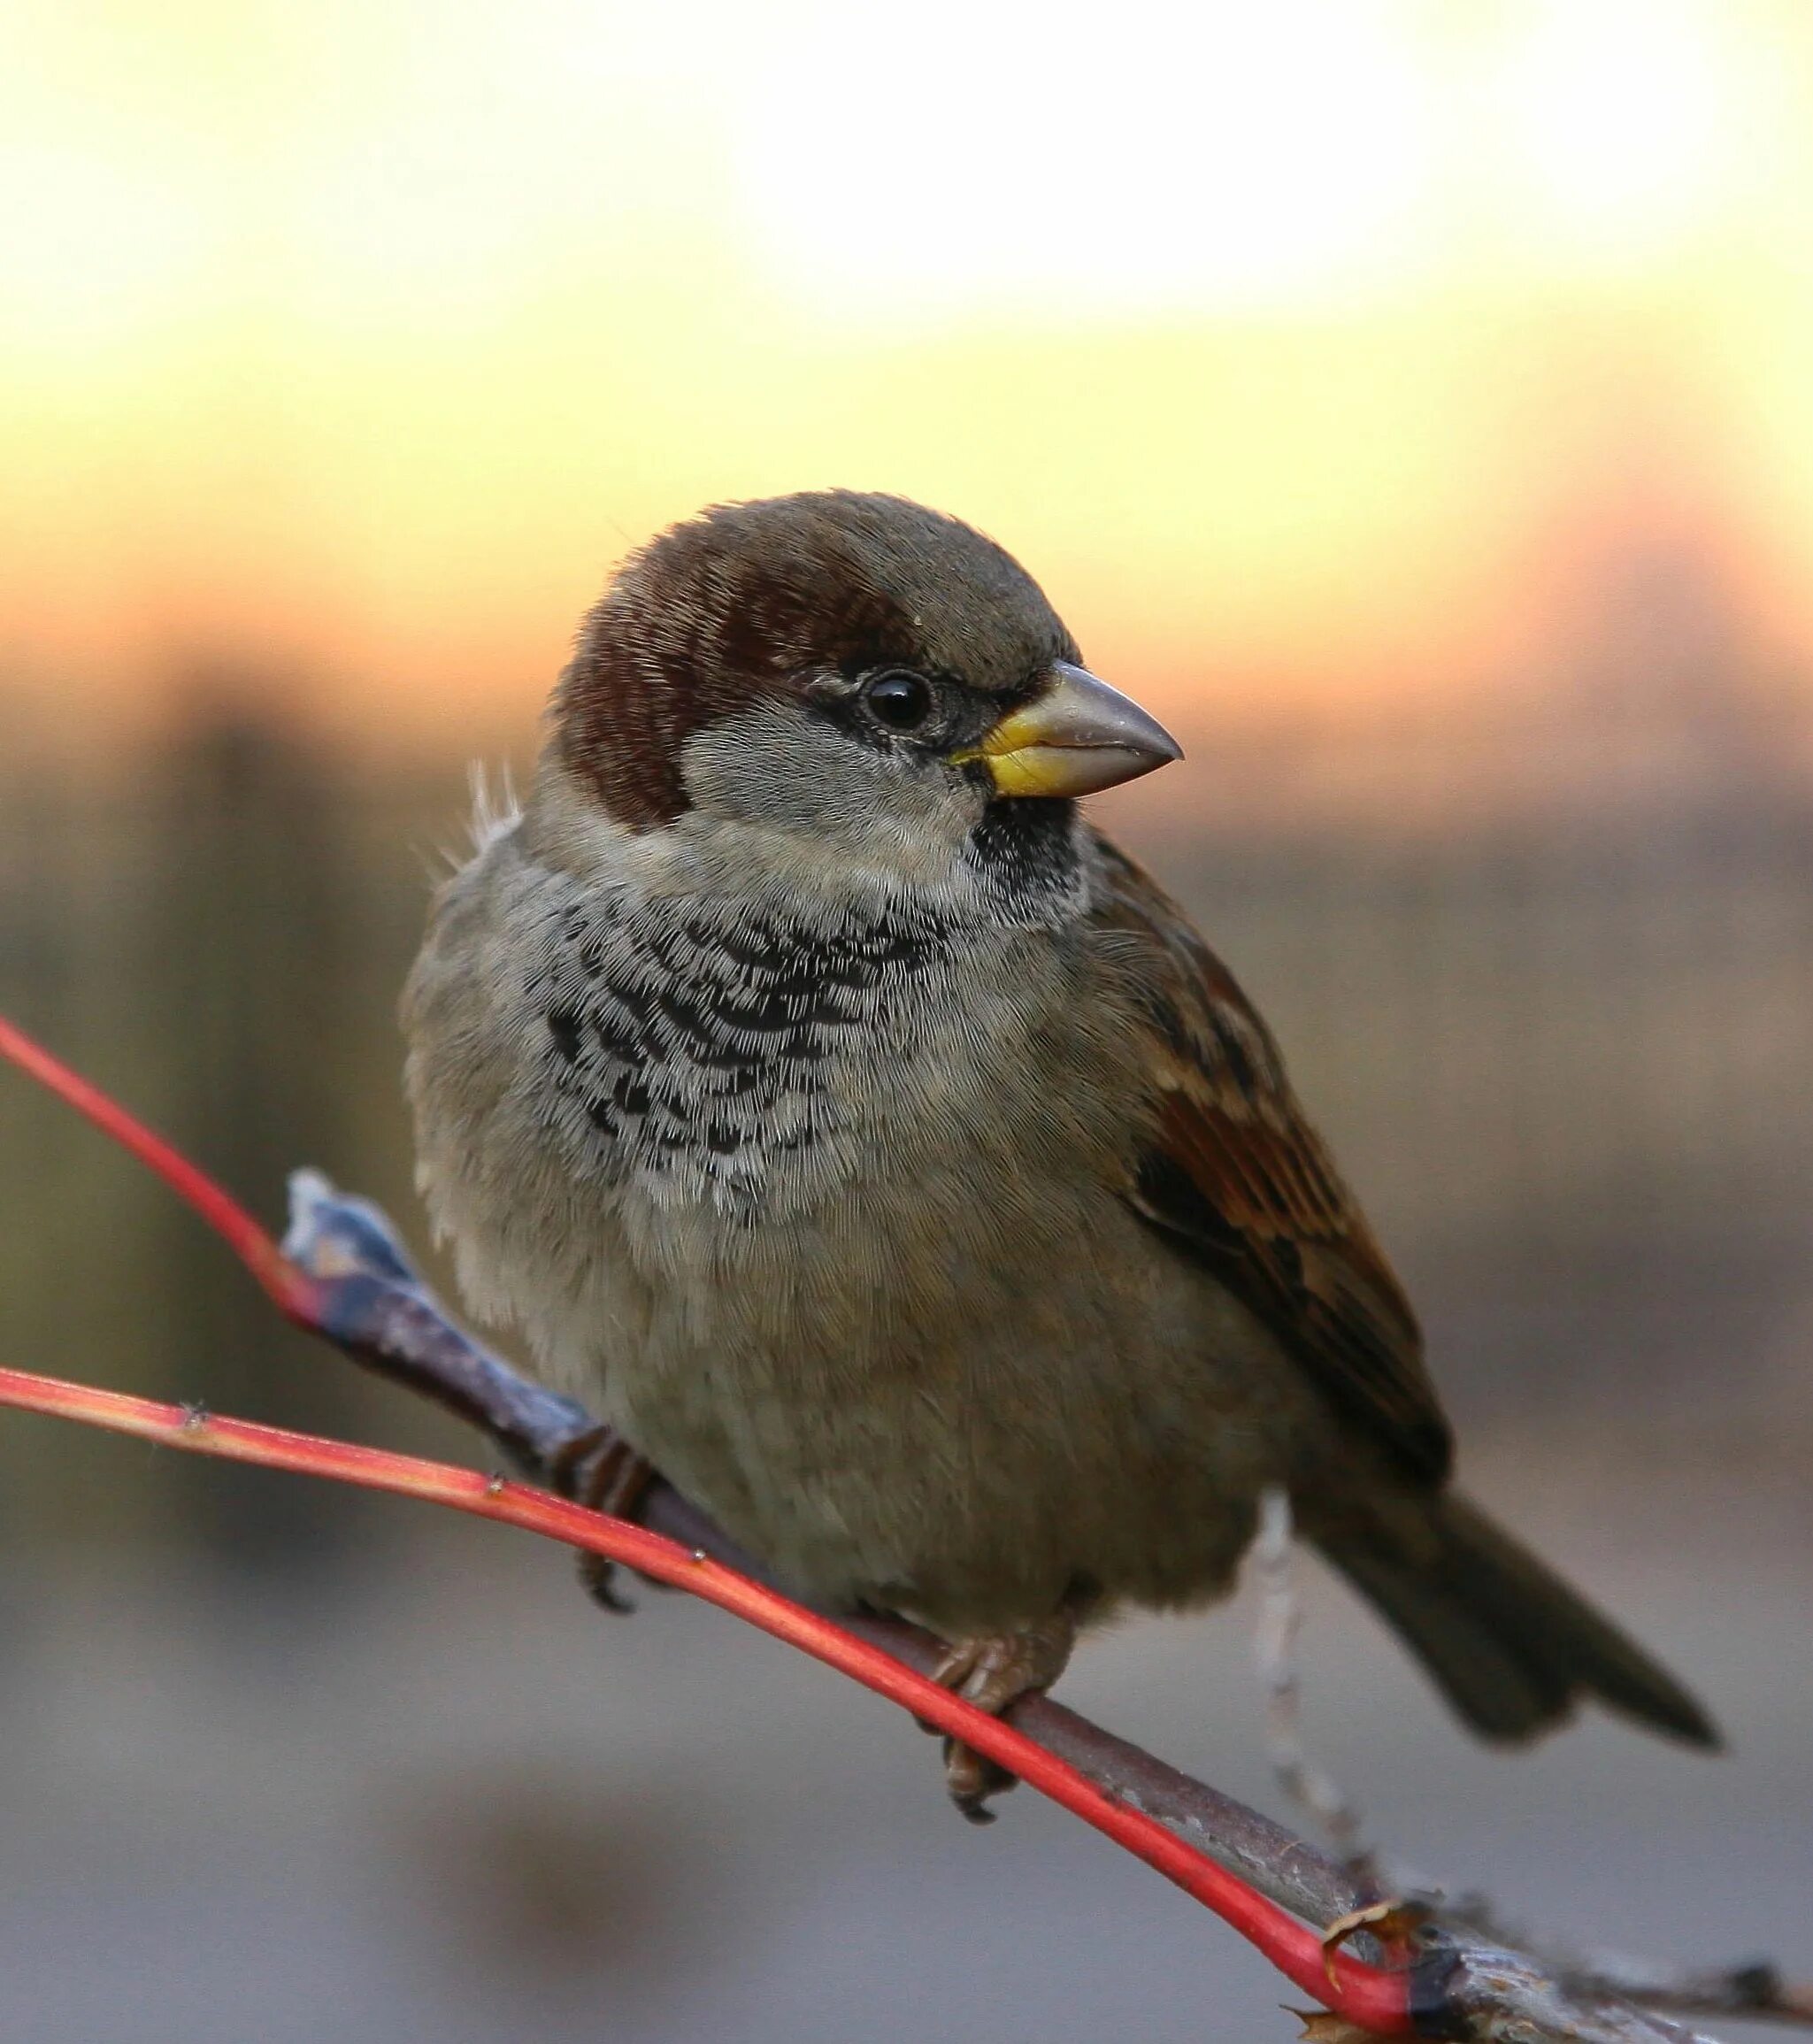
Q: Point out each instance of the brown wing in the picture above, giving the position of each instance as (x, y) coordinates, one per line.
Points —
(1229, 1169)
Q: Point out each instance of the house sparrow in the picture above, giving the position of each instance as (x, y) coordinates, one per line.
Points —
(883, 1154)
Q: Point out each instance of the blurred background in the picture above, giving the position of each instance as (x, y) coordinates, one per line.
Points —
(1408, 402)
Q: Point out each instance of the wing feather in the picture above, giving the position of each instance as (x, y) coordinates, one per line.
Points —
(1227, 1167)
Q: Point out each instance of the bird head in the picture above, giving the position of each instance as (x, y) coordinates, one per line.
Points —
(839, 664)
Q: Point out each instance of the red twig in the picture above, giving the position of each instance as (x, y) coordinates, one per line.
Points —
(293, 1291)
(1367, 1996)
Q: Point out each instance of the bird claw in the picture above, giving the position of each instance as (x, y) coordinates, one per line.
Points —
(994, 1671)
(597, 1575)
(1394, 1923)
(970, 1779)
(601, 1471)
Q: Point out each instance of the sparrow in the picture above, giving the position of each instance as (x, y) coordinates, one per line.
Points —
(884, 1155)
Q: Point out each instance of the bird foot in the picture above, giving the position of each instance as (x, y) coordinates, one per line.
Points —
(599, 1470)
(994, 1671)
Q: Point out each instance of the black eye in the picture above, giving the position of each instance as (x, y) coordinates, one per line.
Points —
(901, 700)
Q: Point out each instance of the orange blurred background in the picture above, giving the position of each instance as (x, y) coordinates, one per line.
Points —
(1412, 402)
(1312, 350)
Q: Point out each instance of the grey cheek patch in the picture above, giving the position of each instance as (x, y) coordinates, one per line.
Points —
(778, 766)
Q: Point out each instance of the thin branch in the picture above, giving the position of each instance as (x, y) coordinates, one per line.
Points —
(1365, 1995)
(288, 1290)
(1753, 1987)
(343, 1273)
(1314, 1791)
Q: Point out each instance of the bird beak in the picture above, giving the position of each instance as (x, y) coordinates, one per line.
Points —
(1077, 735)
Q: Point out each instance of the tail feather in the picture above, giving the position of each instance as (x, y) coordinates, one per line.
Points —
(1510, 1645)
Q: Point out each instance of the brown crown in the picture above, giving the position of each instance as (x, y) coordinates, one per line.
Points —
(758, 599)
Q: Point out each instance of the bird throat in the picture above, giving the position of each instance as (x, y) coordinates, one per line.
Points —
(705, 1044)
(698, 1041)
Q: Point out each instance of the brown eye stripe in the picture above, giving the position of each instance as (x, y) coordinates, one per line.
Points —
(684, 638)
(765, 600)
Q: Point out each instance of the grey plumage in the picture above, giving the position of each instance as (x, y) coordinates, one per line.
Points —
(892, 1165)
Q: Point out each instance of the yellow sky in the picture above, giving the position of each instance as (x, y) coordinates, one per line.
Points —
(1310, 345)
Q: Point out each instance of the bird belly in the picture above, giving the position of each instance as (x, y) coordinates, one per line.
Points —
(830, 1237)
(971, 1430)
